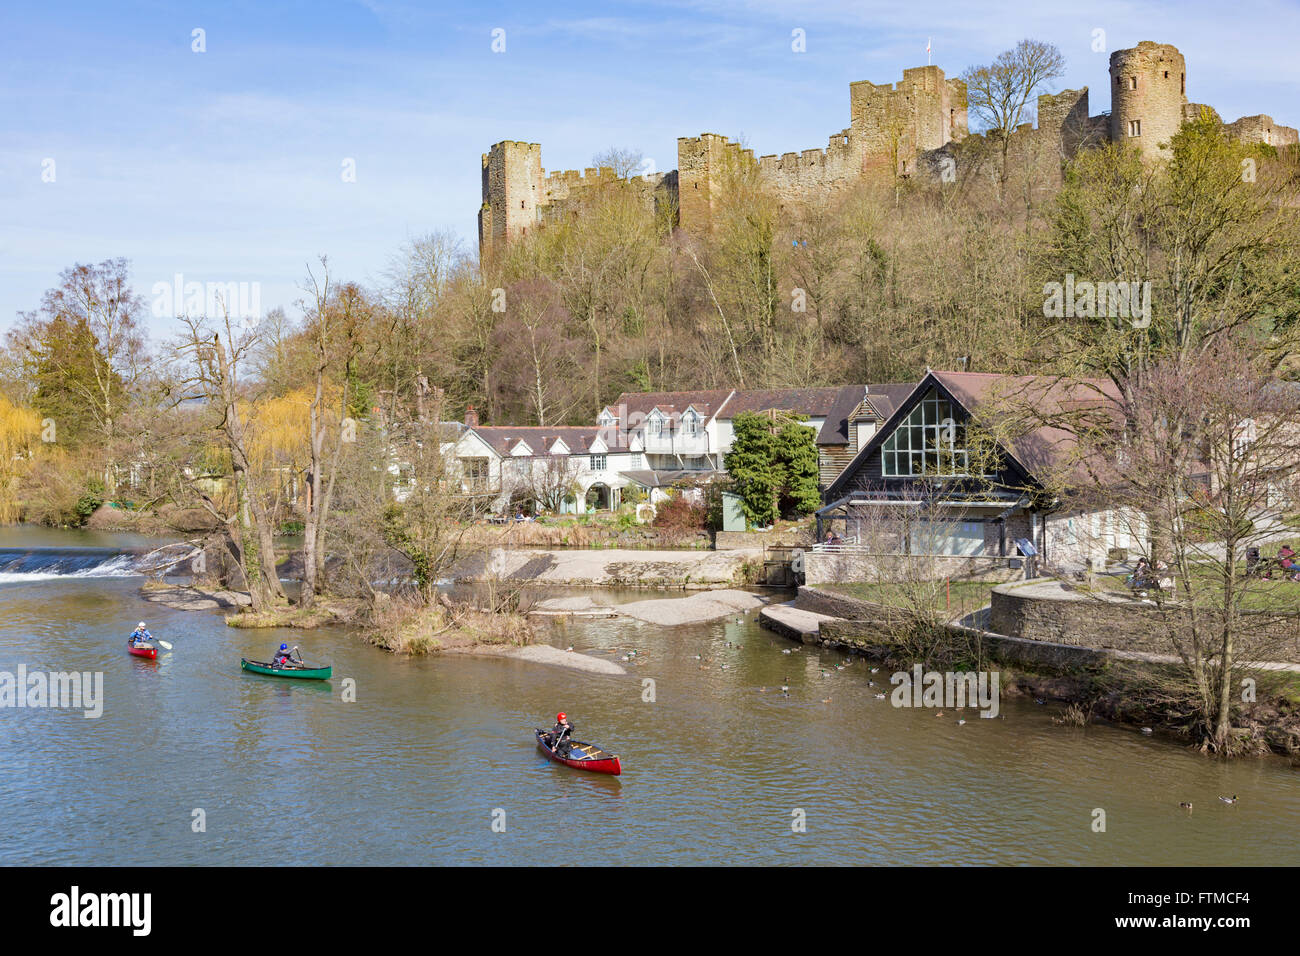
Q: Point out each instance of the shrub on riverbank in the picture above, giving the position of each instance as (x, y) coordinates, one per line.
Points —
(408, 627)
(323, 613)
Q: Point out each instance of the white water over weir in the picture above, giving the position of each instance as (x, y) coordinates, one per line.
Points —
(44, 564)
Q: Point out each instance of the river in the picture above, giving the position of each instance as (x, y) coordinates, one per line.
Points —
(434, 750)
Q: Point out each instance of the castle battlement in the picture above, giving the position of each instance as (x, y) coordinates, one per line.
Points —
(894, 129)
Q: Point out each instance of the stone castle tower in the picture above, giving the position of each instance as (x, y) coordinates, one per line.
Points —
(1148, 93)
(511, 174)
(893, 129)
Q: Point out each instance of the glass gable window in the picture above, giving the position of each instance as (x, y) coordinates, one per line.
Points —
(930, 441)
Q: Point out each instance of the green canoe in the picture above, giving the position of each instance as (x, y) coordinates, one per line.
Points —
(302, 673)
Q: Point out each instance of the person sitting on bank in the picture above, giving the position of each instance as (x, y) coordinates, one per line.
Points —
(1286, 561)
(285, 657)
(560, 736)
(140, 636)
(1252, 561)
(1140, 578)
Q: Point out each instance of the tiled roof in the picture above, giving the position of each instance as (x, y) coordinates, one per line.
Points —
(503, 438)
(883, 398)
(1030, 409)
(1035, 401)
(706, 401)
(808, 402)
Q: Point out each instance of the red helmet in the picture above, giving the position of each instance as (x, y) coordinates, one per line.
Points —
(560, 716)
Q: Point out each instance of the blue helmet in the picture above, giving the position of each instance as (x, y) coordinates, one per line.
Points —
(284, 647)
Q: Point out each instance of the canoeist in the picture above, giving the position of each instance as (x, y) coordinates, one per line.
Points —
(560, 735)
(285, 657)
(140, 636)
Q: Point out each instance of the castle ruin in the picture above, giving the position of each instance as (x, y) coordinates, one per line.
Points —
(893, 128)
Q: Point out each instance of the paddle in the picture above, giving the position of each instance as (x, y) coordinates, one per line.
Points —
(165, 645)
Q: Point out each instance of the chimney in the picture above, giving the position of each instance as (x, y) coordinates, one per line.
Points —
(471, 417)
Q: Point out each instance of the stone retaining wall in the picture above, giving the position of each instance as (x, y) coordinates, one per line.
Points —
(1084, 621)
(867, 636)
(739, 540)
(837, 605)
(827, 567)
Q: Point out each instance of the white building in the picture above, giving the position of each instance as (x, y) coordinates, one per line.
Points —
(565, 469)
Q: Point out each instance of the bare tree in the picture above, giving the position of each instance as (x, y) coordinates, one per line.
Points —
(625, 162)
(998, 93)
(216, 351)
(1208, 451)
(332, 327)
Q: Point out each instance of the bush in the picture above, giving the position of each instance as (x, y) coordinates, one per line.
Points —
(677, 514)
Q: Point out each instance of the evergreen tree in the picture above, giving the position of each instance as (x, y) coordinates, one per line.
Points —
(67, 366)
(773, 467)
(796, 453)
(751, 463)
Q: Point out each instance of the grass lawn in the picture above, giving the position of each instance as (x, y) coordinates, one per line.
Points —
(1259, 594)
(960, 596)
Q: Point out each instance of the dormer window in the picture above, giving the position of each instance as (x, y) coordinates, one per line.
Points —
(690, 423)
(654, 425)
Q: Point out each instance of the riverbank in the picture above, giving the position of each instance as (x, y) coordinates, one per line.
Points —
(1132, 688)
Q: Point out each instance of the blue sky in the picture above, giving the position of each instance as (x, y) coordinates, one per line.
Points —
(225, 166)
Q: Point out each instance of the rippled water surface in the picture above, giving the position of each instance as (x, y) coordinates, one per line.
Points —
(286, 772)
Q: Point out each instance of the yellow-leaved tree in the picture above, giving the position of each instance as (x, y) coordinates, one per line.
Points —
(20, 433)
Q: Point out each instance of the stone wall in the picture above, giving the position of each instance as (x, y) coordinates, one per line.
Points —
(737, 540)
(823, 567)
(867, 636)
(917, 125)
(1262, 129)
(1083, 621)
(702, 164)
(820, 601)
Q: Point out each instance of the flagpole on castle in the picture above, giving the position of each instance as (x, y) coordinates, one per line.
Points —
(927, 51)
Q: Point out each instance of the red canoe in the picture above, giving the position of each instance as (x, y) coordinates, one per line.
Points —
(148, 650)
(583, 757)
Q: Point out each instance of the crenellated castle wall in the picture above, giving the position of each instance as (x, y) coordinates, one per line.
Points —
(895, 129)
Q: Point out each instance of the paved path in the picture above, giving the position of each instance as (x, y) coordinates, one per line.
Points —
(693, 609)
(792, 621)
